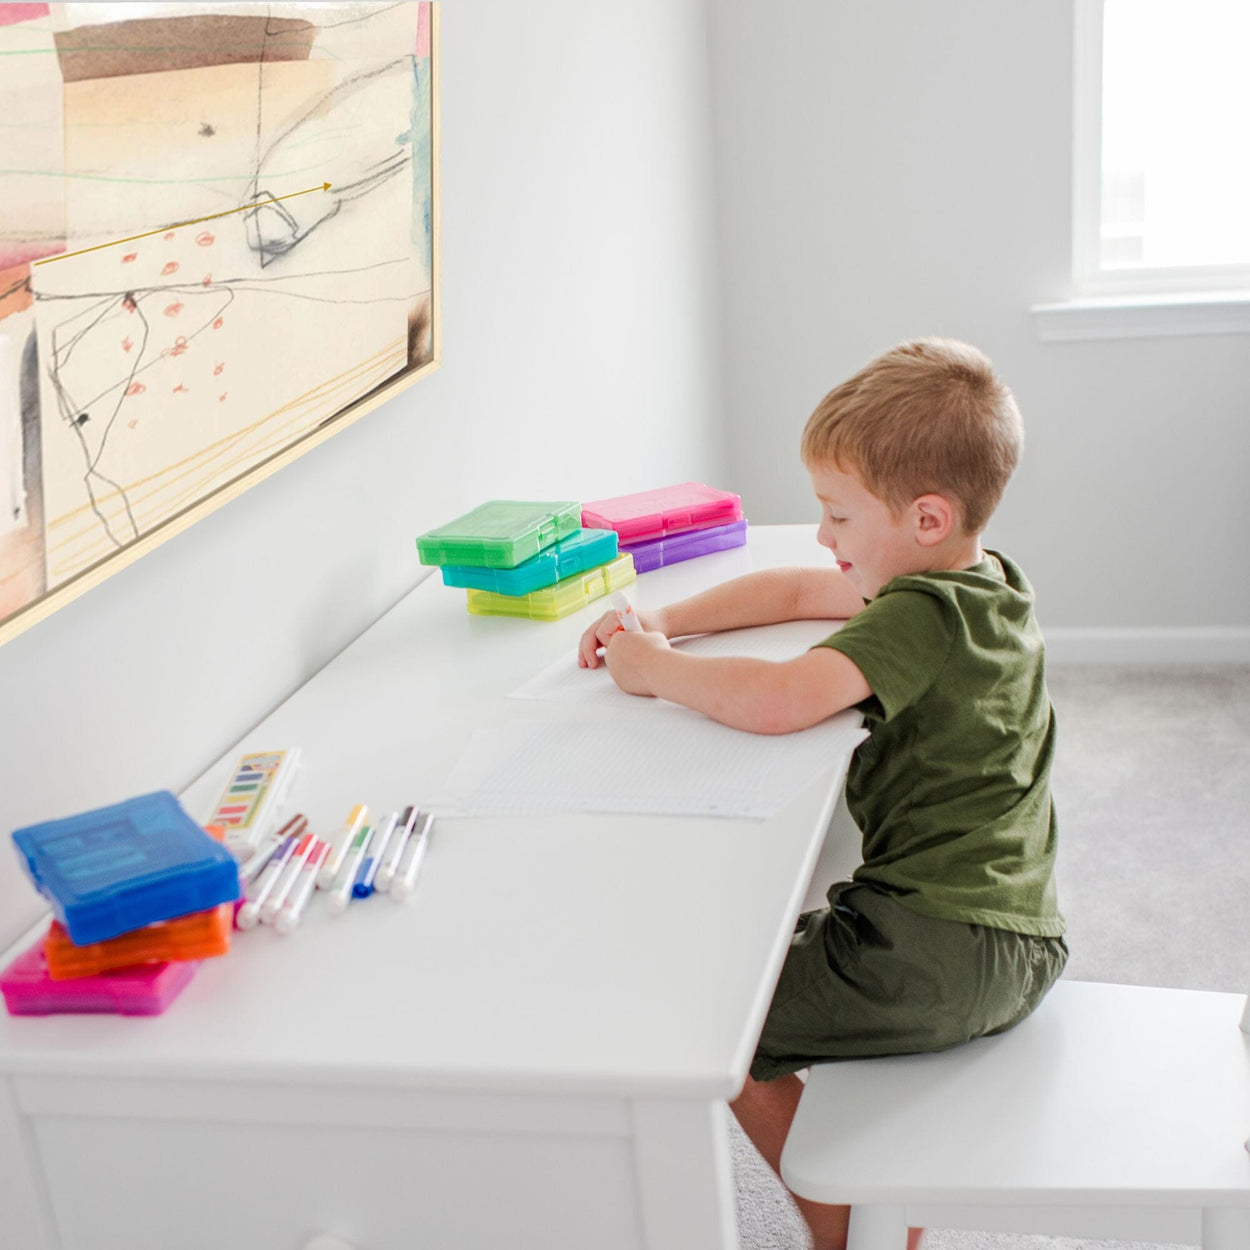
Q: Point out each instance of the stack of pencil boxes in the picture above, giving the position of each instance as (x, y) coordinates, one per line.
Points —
(534, 559)
(140, 894)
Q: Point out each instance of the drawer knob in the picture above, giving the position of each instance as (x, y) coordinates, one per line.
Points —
(328, 1241)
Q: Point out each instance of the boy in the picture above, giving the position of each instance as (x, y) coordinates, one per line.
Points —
(949, 929)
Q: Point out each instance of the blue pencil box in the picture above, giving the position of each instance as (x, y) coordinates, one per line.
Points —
(581, 550)
(117, 868)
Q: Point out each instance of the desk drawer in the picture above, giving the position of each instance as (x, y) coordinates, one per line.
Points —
(128, 1182)
(132, 1185)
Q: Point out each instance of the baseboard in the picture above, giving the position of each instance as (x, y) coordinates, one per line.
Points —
(1214, 645)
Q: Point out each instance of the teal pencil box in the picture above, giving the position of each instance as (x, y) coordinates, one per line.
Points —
(500, 534)
(581, 550)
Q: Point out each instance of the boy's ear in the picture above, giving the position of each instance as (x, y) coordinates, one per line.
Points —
(936, 519)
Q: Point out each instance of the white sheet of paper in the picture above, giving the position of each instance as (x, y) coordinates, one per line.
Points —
(676, 762)
(564, 682)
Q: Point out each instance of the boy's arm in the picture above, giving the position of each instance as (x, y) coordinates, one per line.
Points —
(761, 696)
(761, 598)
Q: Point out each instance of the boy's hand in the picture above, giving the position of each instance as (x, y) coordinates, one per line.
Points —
(628, 655)
(602, 630)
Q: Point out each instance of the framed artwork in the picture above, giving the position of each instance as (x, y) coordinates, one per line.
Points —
(218, 246)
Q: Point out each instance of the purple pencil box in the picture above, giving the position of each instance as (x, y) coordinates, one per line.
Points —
(685, 546)
(145, 990)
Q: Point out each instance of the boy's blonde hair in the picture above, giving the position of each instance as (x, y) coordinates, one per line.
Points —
(929, 416)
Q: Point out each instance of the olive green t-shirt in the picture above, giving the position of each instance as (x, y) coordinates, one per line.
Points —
(951, 790)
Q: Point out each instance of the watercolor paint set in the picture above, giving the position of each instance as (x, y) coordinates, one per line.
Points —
(252, 803)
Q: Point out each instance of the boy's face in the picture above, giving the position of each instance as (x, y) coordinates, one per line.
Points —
(870, 544)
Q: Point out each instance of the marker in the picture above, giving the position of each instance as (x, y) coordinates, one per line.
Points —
(625, 610)
(282, 887)
(406, 878)
(395, 852)
(251, 868)
(338, 847)
(341, 894)
(249, 913)
(363, 885)
(293, 909)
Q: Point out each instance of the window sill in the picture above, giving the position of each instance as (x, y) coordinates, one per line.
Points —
(1144, 316)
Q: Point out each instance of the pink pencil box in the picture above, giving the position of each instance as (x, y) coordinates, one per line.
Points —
(141, 991)
(654, 513)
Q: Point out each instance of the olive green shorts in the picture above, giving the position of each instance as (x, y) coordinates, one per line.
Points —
(869, 976)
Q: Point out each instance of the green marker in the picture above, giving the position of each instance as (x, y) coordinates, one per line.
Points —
(340, 844)
(342, 893)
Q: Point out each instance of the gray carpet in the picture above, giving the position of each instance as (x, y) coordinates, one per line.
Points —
(1152, 786)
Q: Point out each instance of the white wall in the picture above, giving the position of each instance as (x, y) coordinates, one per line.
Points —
(580, 359)
(901, 168)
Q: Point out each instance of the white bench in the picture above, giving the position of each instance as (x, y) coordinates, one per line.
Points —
(1114, 1111)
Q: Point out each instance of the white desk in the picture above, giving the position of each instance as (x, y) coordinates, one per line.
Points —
(535, 1051)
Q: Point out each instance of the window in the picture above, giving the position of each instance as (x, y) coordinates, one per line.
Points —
(1161, 175)
(1162, 180)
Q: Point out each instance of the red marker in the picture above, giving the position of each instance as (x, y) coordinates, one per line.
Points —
(301, 891)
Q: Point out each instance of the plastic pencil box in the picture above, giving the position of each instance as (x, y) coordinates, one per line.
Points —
(553, 602)
(685, 546)
(655, 513)
(119, 868)
(581, 550)
(499, 534)
(29, 991)
(202, 935)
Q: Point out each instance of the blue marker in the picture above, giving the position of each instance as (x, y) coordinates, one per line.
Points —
(362, 887)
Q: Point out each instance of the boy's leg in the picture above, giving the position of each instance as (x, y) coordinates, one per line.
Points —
(765, 1109)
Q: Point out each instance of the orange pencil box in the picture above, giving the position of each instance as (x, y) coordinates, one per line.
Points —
(200, 935)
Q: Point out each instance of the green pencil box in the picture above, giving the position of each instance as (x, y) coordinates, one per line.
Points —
(553, 602)
(500, 534)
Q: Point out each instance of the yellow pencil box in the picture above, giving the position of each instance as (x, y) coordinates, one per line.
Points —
(552, 602)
